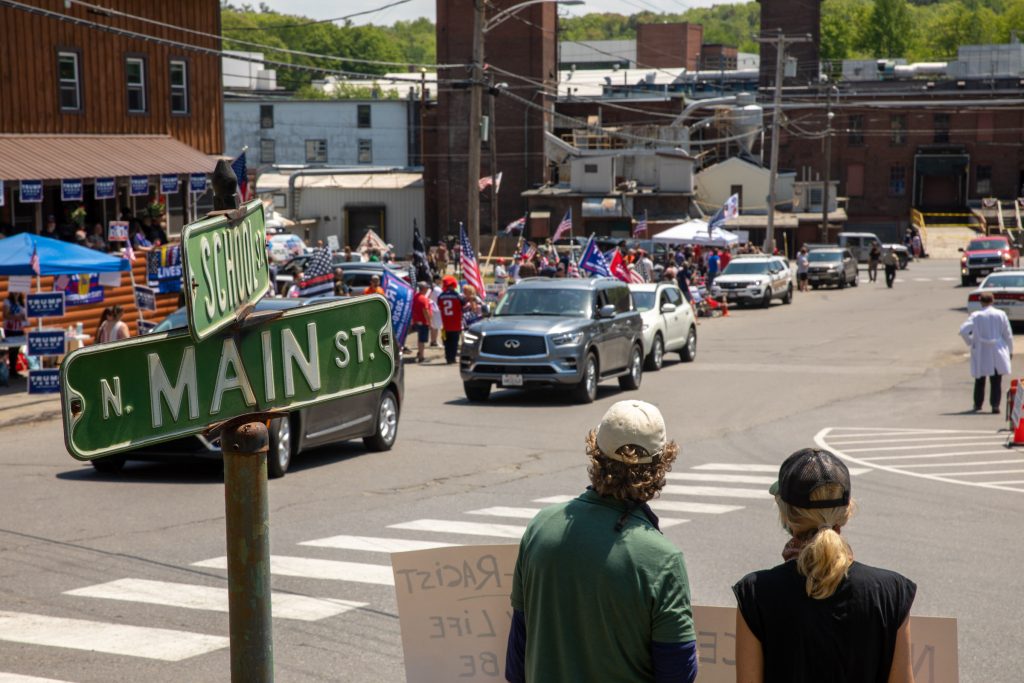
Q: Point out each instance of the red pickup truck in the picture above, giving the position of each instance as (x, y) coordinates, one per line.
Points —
(983, 255)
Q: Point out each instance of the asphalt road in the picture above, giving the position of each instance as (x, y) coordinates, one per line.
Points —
(877, 374)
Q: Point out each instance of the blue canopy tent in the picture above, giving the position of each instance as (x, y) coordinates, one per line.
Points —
(55, 257)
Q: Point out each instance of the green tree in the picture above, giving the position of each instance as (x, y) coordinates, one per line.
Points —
(840, 20)
(888, 31)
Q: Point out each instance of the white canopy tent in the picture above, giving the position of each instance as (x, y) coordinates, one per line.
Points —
(696, 232)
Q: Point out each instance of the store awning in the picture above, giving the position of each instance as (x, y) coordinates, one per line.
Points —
(52, 157)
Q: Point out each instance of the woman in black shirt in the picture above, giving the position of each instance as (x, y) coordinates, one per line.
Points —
(821, 617)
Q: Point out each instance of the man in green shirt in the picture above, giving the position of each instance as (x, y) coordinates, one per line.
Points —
(599, 594)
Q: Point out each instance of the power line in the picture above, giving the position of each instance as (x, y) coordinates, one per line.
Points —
(322, 21)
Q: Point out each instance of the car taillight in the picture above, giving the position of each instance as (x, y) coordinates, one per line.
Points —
(1007, 256)
(974, 297)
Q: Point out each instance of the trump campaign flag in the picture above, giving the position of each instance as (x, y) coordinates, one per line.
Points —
(730, 209)
(593, 260)
(399, 294)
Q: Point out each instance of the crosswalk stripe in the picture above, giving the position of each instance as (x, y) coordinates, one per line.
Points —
(723, 491)
(974, 474)
(1017, 481)
(554, 500)
(840, 442)
(737, 467)
(188, 596)
(458, 527)
(310, 568)
(375, 545)
(922, 279)
(499, 511)
(18, 678)
(692, 508)
(97, 636)
(721, 478)
(921, 456)
(911, 448)
(668, 522)
(837, 431)
(959, 464)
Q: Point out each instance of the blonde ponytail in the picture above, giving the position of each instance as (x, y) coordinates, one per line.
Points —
(826, 556)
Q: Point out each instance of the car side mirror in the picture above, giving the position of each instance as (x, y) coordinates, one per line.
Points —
(668, 308)
(606, 311)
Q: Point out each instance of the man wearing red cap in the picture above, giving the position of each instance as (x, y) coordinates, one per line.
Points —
(451, 302)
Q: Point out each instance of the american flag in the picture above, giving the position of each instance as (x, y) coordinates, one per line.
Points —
(34, 261)
(129, 251)
(516, 226)
(238, 166)
(528, 251)
(488, 180)
(641, 226)
(563, 227)
(467, 258)
(635, 276)
(319, 276)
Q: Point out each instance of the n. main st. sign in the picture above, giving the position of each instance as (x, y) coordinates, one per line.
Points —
(124, 395)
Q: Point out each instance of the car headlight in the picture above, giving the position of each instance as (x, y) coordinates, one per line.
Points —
(567, 339)
(645, 327)
(755, 283)
(470, 337)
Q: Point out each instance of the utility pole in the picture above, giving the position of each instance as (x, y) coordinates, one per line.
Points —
(827, 171)
(475, 94)
(423, 115)
(492, 144)
(780, 41)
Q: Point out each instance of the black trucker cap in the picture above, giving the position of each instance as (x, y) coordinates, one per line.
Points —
(807, 470)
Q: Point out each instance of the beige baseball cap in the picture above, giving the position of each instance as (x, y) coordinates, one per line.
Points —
(632, 423)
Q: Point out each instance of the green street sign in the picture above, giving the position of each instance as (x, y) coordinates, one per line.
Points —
(120, 396)
(225, 267)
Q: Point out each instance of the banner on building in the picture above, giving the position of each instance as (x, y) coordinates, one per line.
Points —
(139, 186)
(30, 191)
(145, 298)
(117, 231)
(45, 305)
(163, 269)
(105, 188)
(71, 190)
(197, 182)
(46, 342)
(79, 289)
(169, 183)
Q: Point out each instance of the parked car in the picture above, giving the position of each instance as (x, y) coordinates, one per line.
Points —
(569, 333)
(984, 255)
(371, 416)
(859, 244)
(668, 323)
(755, 279)
(284, 246)
(1007, 286)
(832, 266)
(356, 274)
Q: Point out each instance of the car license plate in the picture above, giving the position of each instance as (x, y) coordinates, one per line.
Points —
(984, 271)
(511, 380)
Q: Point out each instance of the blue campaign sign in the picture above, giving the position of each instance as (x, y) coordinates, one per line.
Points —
(145, 298)
(163, 269)
(46, 343)
(71, 190)
(46, 305)
(169, 183)
(30, 191)
(139, 186)
(44, 381)
(197, 182)
(105, 188)
(399, 294)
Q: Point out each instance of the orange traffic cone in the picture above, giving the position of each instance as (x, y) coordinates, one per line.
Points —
(1016, 415)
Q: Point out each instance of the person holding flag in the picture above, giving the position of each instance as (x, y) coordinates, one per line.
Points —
(467, 259)
(593, 261)
(564, 227)
(518, 225)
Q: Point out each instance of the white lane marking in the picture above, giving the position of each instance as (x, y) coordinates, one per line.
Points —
(693, 508)
(667, 522)
(720, 478)
(959, 464)
(737, 467)
(901, 430)
(913, 448)
(499, 511)
(822, 442)
(948, 279)
(375, 545)
(97, 636)
(189, 596)
(18, 678)
(921, 279)
(725, 492)
(974, 474)
(843, 442)
(551, 500)
(309, 568)
(875, 459)
(466, 528)
(1017, 481)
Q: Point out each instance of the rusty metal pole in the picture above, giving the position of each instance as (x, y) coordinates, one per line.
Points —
(244, 444)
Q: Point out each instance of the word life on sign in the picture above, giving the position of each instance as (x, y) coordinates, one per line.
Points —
(46, 342)
(45, 305)
(123, 395)
(225, 267)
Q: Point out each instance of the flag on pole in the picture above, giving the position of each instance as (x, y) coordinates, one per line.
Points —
(467, 259)
(593, 260)
(238, 166)
(34, 261)
(129, 251)
(641, 226)
(319, 274)
(563, 227)
(617, 266)
(489, 180)
(518, 225)
(730, 209)
(529, 251)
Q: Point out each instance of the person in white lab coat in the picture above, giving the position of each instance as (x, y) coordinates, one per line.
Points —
(988, 334)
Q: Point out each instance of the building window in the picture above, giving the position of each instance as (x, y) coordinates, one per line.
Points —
(590, 168)
(135, 78)
(855, 180)
(855, 129)
(983, 181)
(941, 124)
(898, 128)
(266, 116)
(70, 81)
(316, 151)
(267, 152)
(363, 115)
(897, 181)
(365, 152)
(179, 86)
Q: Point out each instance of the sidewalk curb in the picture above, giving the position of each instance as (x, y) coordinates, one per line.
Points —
(38, 415)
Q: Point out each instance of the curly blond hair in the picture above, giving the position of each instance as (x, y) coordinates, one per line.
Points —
(630, 480)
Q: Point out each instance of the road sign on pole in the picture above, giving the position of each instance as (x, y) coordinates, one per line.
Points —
(123, 395)
(224, 259)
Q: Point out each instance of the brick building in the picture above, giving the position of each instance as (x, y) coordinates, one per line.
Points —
(669, 45)
(793, 19)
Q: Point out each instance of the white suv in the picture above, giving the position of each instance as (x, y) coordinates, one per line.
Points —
(755, 279)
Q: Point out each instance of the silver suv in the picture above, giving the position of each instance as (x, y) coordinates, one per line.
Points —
(555, 332)
(755, 279)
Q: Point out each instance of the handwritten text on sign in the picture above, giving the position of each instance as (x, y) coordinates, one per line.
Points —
(455, 614)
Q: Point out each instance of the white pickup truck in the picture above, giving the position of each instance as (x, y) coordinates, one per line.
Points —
(859, 244)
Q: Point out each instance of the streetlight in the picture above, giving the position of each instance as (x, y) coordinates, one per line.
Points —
(480, 28)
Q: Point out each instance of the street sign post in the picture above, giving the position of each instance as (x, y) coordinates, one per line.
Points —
(124, 395)
(224, 259)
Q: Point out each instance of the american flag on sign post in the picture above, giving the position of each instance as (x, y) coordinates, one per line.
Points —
(563, 227)
(467, 259)
(319, 275)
